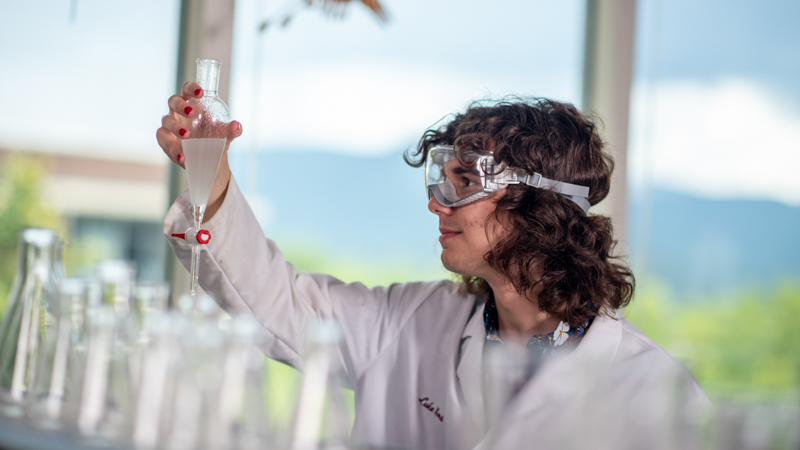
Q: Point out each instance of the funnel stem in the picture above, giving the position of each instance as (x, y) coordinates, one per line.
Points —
(195, 263)
(197, 211)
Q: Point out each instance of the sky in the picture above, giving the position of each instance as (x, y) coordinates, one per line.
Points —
(715, 109)
(93, 81)
(354, 86)
(715, 104)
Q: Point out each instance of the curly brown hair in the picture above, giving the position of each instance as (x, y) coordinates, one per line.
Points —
(581, 277)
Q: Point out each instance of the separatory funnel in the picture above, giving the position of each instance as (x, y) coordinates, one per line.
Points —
(203, 146)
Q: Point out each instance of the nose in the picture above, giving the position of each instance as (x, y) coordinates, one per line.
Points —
(437, 208)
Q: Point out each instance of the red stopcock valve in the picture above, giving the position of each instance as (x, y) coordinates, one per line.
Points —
(194, 236)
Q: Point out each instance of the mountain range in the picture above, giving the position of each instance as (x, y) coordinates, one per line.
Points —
(375, 210)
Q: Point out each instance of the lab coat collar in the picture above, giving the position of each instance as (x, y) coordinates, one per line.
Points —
(602, 340)
(556, 380)
(600, 345)
(470, 369)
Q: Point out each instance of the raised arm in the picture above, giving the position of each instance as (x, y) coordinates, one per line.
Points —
(246, 273)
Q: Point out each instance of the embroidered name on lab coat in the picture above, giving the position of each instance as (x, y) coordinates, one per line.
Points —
(427, 404)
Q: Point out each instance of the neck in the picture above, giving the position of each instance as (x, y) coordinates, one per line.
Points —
(519, 317)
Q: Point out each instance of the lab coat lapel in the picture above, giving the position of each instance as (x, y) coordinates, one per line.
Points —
(597, 349)
(470, 372)
(602, 341)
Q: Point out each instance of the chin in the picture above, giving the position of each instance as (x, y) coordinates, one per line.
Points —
(453, 267)
(448, 265)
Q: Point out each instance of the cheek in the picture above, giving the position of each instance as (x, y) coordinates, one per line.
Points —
(475, 224)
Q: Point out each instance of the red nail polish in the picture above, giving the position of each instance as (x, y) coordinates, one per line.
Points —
(180, 158)
(181, 132)
(187, 110)
(197, 91)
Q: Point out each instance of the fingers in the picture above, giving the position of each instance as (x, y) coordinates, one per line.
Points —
(190, 89)
(177, 125)
(168, 138)
(171, 124)
(178, 104)
(171, 145)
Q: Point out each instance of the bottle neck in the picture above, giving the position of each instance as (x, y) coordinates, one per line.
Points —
(208, 75)
(22, 260)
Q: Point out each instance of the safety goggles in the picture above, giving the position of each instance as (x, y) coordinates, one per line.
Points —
(458, 183)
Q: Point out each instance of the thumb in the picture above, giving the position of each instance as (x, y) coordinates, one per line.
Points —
(234, 130)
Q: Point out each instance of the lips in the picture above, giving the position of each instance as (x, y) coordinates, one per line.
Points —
(447, 233)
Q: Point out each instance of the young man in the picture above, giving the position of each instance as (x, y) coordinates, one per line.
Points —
(512, 184)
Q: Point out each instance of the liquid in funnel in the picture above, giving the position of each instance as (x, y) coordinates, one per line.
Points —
(202, 160)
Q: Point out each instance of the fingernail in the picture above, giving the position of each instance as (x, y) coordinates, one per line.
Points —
(181, 132)
(187, 110)
(197, 91)
(238, 126)
(180, 158)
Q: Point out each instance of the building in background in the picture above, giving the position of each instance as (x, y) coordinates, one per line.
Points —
(109, 208)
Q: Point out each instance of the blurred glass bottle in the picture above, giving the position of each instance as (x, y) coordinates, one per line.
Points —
(241, 419)
(59, 362)
(117, 278)
(160, 361)
(193, 394)
(81, 311)
(30, 316)
(321, 420)
(59, 270)
(117, 282)
(106, 397)
(148, 299)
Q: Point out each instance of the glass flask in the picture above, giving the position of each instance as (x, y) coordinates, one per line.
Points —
(203, 146)
(59, 362)
(85, 295)
(321, 420)
(117, 279)
(160, 360)
(148, 299)
(59, 272)
(194, 388)
(30, 317)
(241, 419)
(106, 397)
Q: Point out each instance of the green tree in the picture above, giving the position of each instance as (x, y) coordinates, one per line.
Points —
(21, 205)
(740, 345)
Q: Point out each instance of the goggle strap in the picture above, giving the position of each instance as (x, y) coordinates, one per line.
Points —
(577, 194)
(536, 180)
(580, 201)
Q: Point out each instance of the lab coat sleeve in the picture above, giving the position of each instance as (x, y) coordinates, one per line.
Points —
(247, 274)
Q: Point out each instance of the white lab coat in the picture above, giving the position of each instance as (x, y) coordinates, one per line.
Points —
(413, 352)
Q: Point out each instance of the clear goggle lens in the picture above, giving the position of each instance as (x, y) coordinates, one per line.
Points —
(454, 182)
